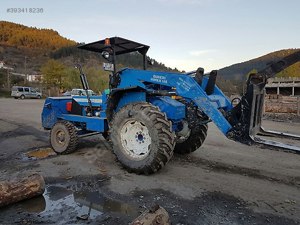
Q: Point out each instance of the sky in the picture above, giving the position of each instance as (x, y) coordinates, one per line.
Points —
(185, 34)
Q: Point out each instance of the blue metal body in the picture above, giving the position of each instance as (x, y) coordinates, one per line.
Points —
(143, 82)
(185, 86)
(130, 97)
(174, 110)
(55, 109)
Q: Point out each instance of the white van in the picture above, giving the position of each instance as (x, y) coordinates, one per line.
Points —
(80, 92)
(25, 92)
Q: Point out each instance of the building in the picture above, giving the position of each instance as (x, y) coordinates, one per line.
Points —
(34, 77)
(284, 86)
(29, 77)
(3, 66)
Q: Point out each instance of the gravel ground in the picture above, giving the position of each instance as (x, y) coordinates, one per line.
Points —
(282, 117)
(221, 183)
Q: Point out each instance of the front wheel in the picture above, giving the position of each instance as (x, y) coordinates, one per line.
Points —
(193, 142)
(197, 131)
(63, 137)
(22, 97)
(142, 138)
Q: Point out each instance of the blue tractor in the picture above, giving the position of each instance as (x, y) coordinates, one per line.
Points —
(148, 115)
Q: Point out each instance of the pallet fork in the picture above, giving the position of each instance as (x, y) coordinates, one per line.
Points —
(246, 117)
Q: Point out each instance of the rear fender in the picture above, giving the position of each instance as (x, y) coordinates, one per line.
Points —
(53, 109)
(118, 98)
(131, 97)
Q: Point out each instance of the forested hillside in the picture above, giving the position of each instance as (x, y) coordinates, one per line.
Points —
(39, 45)
(133, 60)
(239, 71)
(12, 34)
(30, 50)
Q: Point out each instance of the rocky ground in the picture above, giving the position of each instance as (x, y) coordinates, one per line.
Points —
(282, 117)
(221, 183)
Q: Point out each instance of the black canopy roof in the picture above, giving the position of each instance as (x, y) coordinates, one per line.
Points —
(120, 45)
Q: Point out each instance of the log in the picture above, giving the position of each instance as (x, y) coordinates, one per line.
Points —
(156, 215)
(21, 189)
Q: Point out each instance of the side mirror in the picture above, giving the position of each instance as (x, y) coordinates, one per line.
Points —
(107, 66)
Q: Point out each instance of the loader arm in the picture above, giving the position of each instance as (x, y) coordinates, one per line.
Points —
(186, 87)
(241, 123)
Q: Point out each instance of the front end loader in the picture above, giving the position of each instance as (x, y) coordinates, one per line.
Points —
(148, 115)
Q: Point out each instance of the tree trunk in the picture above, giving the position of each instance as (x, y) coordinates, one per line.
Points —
(20, 189)
(156, 215)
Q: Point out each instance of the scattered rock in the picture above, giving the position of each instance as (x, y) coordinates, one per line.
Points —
(155, 215)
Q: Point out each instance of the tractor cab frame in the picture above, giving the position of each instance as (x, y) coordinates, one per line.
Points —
(111, 47)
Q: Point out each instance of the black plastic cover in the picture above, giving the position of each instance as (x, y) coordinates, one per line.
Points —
(120, 45)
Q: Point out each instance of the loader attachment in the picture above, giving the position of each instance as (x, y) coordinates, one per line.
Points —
(246, 117)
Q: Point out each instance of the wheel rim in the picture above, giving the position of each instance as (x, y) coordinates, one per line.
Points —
(60, 137)
(135, 139)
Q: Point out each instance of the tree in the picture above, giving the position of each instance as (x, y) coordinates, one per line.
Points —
(97, 78)
(3, 76)
(291, 71)
(54, 73)
(72, 79)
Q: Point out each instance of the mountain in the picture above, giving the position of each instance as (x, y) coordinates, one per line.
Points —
(29, 50)
(26, 49)
(12, 34)
(239, 71)
(134, 60)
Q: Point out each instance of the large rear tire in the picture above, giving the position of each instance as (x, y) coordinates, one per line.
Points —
(63, 137)
(142, 138)
(198, 131)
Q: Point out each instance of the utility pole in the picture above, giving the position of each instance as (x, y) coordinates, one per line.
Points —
(25, 72)
(8, 79)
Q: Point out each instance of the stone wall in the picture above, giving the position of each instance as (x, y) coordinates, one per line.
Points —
(282, 104)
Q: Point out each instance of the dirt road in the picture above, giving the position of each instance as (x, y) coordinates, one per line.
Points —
(221, 183)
